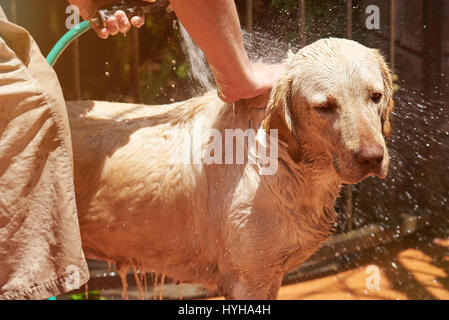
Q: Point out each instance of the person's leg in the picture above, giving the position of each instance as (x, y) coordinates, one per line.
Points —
(40, 245)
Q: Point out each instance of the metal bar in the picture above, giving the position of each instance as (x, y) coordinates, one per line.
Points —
(76, 69)
(135, 65)
(433, 41)
(349, 208)
(249, 18)
(13, 11)
(392, 33)
(302, 22)
(349, 19)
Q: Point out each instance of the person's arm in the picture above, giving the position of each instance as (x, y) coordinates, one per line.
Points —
(215, 28)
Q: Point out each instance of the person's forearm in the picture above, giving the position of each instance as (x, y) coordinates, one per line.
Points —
(214, 26)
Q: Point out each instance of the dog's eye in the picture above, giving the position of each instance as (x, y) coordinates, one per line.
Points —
(325, 107)
(376, 97)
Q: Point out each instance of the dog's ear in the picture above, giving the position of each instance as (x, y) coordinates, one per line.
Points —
(388, 106)
(279, 116)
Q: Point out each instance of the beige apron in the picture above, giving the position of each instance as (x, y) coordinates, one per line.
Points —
(40, 245)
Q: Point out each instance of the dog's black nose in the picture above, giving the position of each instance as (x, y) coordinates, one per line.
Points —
(370, 157)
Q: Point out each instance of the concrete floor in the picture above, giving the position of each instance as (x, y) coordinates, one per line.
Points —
(412, 274)
(404, 275)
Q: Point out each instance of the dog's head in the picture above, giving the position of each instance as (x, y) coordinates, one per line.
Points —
(334, 104)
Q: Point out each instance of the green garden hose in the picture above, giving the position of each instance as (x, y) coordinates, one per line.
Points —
(66, 40)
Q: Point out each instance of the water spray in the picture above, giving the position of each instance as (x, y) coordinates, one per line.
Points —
(131, 8)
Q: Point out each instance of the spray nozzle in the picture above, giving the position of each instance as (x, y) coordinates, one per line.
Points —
(130, 7)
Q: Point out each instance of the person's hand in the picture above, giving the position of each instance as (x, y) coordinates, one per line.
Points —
(119, 22)
(261, 78)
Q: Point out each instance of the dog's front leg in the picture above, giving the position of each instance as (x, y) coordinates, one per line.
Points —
(248, 287)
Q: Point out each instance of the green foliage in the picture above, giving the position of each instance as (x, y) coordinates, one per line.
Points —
(92, 295)
(164, 67)
(182, 70)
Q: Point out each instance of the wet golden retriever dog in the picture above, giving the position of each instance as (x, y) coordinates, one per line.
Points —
(224, 222)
